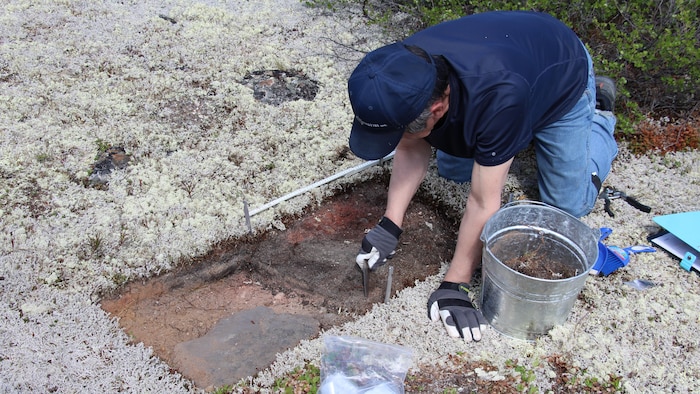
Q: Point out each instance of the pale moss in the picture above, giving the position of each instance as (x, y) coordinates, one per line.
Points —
(117, 72)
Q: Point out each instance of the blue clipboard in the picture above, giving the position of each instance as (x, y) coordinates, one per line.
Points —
(685, 226)
(683, 238)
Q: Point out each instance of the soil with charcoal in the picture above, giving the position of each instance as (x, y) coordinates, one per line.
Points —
(307, 270)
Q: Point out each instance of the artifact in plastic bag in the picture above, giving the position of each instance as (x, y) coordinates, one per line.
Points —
(352, 365)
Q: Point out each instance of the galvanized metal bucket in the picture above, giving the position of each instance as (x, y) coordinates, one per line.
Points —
(523, 306)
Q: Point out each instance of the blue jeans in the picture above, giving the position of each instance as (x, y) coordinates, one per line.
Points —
(564, 166)
(454, 168)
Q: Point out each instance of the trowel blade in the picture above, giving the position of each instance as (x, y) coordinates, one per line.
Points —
(365, 278)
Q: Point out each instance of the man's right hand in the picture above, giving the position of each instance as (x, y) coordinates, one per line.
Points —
(379, 244)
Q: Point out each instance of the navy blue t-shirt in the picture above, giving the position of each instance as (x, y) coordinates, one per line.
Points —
(512, 72)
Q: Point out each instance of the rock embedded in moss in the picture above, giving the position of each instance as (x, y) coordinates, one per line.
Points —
(114, 157)
(275, 87)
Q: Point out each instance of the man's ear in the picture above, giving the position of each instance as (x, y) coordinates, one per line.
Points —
(439, 108)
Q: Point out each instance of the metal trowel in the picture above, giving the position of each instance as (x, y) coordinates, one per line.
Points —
(365, 277)
(363, 266)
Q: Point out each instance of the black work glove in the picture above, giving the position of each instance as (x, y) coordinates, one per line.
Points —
(451, 303)
(379, 244)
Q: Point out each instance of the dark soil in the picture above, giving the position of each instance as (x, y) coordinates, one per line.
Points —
(309, 269)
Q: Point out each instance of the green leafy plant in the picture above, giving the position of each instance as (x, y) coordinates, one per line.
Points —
(95, 244)
(102, 145)
(527, 377)
(650, 47)
(119, 279)
(43, 157)
(578, 380)
(223, 389)
(301, 380)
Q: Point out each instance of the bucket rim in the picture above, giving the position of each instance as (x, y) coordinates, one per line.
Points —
(517, 273)
(514, 204)
(532, 203)
(538, 203)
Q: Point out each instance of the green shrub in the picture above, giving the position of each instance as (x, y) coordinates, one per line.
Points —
(651, 47)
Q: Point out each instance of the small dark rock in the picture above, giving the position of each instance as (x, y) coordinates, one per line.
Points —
(113, 158)
(275, 87)
(167, 18)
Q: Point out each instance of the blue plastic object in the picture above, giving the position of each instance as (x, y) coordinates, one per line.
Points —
(689, 262)
(684, 226)
(612, 258)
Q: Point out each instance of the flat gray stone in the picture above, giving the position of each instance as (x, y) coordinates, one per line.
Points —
(241, 345)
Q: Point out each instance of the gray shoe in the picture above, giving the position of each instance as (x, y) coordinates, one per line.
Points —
(605, 93)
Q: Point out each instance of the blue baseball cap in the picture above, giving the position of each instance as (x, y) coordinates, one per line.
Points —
(388, 90)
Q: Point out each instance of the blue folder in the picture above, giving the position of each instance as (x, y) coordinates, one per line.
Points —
(683, 238)
(685, 226)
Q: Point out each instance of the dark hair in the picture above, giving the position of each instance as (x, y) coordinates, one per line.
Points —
(441, 81)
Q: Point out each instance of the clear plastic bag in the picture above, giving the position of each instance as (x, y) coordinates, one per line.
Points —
(352, 365)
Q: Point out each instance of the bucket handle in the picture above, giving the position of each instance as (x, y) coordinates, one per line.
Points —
(533, 202)
(543, 204)
(519, 202)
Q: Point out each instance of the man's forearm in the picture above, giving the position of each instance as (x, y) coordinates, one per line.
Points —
(483, 201)
(467, 256)
(409, 168)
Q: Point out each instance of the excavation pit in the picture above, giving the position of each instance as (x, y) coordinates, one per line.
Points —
(228, 315)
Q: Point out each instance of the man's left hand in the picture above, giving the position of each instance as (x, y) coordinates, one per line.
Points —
(451, 303)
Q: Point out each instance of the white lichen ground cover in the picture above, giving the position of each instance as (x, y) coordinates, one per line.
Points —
(76, 76)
